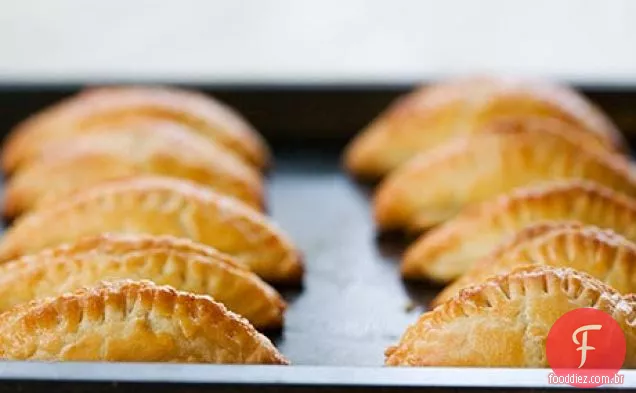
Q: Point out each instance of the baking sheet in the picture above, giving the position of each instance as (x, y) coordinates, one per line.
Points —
(353, 303)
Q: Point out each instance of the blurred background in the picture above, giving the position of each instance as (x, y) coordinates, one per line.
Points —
(356, 56)
(328, 41)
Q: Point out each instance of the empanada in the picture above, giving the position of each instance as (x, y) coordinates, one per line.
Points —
(505, 322)
(116, 105)
(432, 115)
(164, 260)
(160, 206)
(128, 321)
(599, 252)
(446, 252)
(143, 147)
(436, 185)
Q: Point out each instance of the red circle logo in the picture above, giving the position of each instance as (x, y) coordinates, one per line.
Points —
(585, 348)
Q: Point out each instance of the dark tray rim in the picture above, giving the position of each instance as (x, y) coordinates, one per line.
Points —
(48, 84)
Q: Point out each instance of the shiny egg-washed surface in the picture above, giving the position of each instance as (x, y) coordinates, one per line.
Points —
(132, 321)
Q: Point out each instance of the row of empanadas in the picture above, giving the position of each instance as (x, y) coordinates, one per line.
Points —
(531, 194)
(140, 183)
(106, 133)
(529, 279)
(525, 153)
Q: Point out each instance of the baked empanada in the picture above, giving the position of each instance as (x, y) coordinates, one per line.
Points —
(143, 147)
(505, 322)
(432, 115)
(160, 206)
(164, 260)
(446, 252)
(601, 253)
(116, 105)
(436, 185)
(128, 321)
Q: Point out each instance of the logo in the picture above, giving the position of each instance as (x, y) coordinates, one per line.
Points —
(584, 347)
(588, 344)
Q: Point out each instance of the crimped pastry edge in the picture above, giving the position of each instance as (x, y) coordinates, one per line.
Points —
(445, 236)
(292, 258)
(243, 181)
(579, 111)
(470, 301)
(238, 134)
(391, 198)
(123, 246)
(539, 235)
(33, 311)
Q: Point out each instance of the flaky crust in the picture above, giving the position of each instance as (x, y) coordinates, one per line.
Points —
(446, 252)
(505, 321)
(117, 104)
(132, 321)
(431, 115)
(437, 184)
(140, 147)
(164, 260)
(601, 253)
(160, 206)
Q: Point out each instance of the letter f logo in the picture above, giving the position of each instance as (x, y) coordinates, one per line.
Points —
(573, 336)
(583, 344)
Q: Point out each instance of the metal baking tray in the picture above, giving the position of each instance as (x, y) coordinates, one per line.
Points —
(352, 303)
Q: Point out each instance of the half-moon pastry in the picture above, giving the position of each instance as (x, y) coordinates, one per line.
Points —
(448, 251)
(505, 322)
(601, 253)
(128, 321)
(160, 206)
(436, 185)
(144, 147)
(164, 260)
(116, 105)
(432, 115)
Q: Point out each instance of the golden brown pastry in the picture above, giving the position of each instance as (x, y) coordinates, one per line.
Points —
(160, 206)
(505, 322)
(446, 252)
(117, 104)
(432, 115)
(130, 321)
(436, 185)
(143, 147)
(164, 260)
(601, 253)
